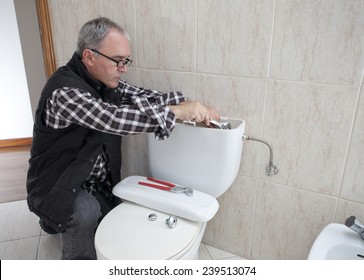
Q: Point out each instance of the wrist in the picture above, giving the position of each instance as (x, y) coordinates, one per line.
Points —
(175, 110)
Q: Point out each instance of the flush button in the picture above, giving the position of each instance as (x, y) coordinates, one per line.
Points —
(171, 221)
(152, 217)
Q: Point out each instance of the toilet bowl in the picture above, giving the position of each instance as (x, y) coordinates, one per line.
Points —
(128, 229)
(205, 159)
(178, 243)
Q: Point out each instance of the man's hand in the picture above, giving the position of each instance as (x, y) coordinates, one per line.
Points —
(194, 111)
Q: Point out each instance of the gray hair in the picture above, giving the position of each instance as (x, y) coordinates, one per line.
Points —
(94, 31)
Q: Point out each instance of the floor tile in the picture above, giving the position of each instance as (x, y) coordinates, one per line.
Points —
(218, 254)
(203, 254)
(20, 249)
(17, 221)
(49, 247)
(235, 258)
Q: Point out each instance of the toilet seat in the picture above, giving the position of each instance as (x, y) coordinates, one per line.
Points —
(126, 233)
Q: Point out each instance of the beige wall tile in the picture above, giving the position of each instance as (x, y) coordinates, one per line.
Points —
(309, 127)
(232, 226)
(348, 208)
(134, 156)
(67, 17)
(288, 220)
(353, 183)
(234, 37)
(166, 34)
(166, 81)
(318, 41)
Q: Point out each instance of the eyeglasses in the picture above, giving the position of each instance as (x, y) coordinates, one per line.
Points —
(119, 63)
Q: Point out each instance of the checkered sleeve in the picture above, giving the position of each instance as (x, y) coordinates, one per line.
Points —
(140, 111)
(132, 93)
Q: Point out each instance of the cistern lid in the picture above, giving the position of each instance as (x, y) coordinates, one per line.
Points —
(199, 207)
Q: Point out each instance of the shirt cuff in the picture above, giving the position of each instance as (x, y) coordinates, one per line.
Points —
(170, 98)
(160, 114)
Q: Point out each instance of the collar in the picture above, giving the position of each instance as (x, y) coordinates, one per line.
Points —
(77, 66)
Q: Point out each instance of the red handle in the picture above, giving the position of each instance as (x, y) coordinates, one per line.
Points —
(161, 182)
(155, 186)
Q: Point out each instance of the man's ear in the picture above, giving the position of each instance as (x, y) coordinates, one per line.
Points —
(87, 56)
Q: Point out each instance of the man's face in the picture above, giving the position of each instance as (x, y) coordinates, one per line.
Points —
(115, 46)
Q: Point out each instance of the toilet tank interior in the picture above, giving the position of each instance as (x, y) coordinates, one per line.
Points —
(206, 159)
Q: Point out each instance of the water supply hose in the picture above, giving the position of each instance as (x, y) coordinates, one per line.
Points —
(270, 169)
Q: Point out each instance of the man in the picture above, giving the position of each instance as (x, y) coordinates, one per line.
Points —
(83, 110)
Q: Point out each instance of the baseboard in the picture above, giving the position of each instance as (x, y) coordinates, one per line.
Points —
(13, 143)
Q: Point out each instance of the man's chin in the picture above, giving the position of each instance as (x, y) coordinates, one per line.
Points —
(113, 85)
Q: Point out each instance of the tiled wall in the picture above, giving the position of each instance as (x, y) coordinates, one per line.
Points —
(292, 69)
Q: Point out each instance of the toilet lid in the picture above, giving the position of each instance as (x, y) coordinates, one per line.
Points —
(199, 207)
(126, 233)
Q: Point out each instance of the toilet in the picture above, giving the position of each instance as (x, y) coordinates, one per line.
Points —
(156, 224)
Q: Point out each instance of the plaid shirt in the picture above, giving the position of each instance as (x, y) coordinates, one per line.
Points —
(141, 111)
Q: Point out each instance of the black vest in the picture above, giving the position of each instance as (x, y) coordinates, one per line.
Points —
(62, 159)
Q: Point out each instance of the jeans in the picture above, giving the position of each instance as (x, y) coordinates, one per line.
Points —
(78, 239)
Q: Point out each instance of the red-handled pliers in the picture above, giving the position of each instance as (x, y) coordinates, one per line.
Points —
(167, 186)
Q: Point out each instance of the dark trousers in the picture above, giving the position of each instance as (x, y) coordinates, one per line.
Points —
(78, 239)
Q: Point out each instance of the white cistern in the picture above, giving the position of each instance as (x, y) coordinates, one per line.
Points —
(153, 223)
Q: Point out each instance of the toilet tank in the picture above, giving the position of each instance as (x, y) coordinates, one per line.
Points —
(203, 158)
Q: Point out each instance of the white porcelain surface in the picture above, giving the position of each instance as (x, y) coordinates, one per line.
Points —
(197, 206)
(337, 242)
(180, 158)
(127, 233)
